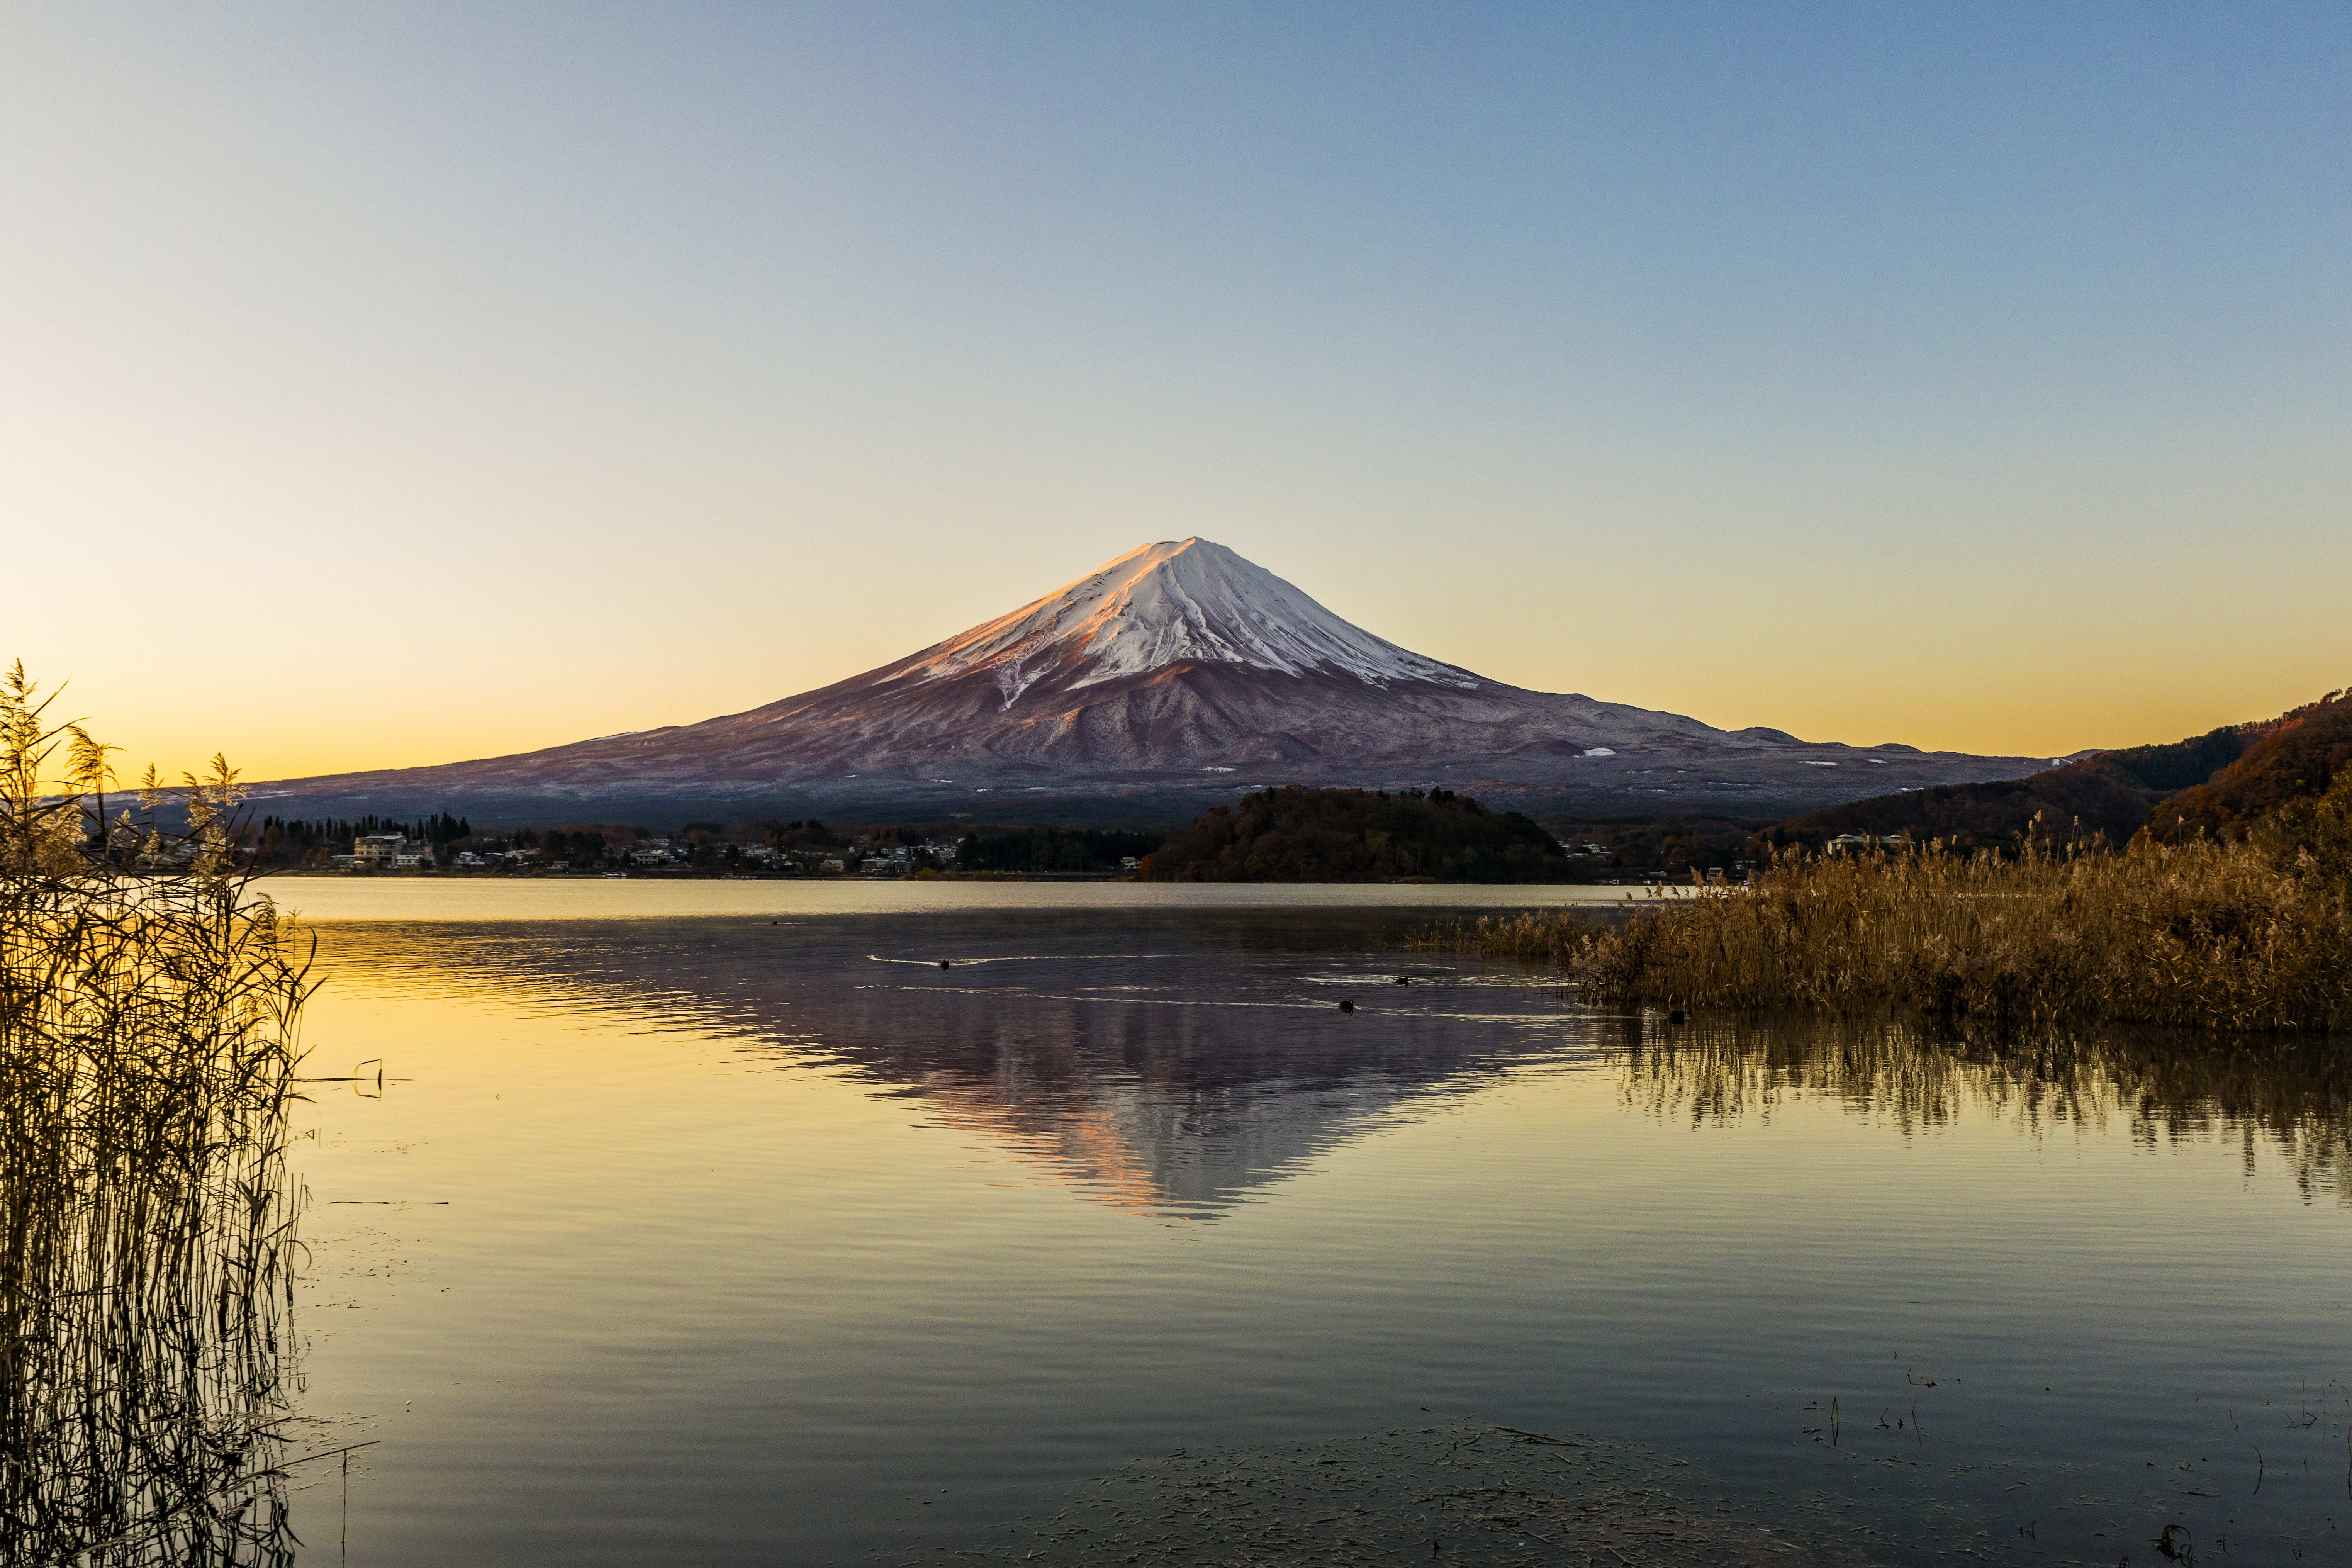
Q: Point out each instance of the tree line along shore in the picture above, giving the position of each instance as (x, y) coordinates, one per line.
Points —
(1290, 834)
(2222, 785)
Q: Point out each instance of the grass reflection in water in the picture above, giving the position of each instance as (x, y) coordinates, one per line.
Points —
(2292, 1094)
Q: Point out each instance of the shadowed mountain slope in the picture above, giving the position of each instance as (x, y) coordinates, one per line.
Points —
(1176, 675)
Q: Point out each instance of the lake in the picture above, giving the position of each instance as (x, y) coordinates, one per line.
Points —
(719, 1222)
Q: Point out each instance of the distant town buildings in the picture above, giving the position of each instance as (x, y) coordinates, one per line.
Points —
(1845, 841)
(702, 850)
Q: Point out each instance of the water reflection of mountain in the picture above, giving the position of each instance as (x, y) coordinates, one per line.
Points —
(1164, 1103)
(1166, 1064)
(2293, 1096)
(1174, 1061)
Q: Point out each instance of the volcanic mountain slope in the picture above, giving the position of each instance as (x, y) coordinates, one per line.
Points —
(1177, 670)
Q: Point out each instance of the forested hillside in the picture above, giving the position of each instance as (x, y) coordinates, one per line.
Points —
(1040, 851)
(2294, 758)
(1301, 835)
(2221, 782)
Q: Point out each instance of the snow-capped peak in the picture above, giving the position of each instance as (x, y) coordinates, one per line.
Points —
(1174, 603)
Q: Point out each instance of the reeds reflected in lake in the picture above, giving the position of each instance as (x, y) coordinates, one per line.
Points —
(2290, 1095)
(1171, 1062)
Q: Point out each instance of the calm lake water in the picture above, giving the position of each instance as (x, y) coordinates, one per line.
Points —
(725, 1226)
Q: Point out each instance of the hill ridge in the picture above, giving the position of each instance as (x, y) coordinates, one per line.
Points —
(2224, 782)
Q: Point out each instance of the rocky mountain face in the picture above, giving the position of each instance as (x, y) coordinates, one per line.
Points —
(1178, 674)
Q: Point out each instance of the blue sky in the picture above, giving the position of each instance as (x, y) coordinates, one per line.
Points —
(1971, 376)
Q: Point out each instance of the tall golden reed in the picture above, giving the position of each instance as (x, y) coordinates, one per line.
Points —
(149, 1005)
(2205, 935)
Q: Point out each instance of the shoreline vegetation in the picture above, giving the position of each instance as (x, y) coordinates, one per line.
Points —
(1290, 834)
(2251, 935)
(149, 1045)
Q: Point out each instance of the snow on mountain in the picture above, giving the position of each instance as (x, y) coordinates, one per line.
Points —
(1178, 669)
(1191, 601)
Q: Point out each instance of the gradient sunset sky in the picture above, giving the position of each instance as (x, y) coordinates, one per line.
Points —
(396, 385)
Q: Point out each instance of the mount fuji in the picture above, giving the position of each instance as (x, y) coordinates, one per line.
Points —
(1171, 677)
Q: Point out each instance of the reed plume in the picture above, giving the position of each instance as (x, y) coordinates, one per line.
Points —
(2250, 936)
(149, 1011)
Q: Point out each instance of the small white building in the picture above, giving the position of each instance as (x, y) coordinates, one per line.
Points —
(371, 850)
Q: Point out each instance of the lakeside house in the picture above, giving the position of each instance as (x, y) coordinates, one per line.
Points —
(388, 851)
(372, 851)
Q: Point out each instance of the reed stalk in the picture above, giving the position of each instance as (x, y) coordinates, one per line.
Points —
(2237, 936)
(148, 1046)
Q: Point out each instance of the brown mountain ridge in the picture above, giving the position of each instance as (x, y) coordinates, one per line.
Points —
(2224, 782)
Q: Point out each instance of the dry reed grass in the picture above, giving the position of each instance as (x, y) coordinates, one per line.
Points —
(2205, 935)
(148, 1046)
